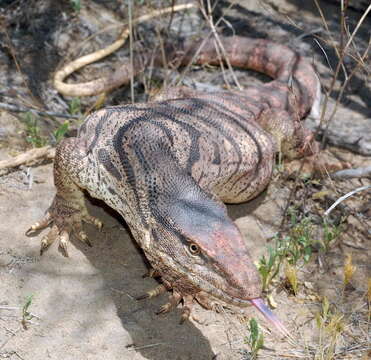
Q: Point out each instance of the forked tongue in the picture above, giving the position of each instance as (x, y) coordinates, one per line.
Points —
(272, 318)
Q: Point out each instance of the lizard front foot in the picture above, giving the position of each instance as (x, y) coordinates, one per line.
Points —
(176, 298)
(65, 219)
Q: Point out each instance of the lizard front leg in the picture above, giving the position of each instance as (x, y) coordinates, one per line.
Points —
(68, 208)
(291, 138)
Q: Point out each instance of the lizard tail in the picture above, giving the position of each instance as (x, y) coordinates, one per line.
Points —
(275, 60)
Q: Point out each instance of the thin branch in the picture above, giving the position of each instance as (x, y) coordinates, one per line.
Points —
(361, 172)
(20, 109)
(46, 152)
(344, 197)
(130, 5)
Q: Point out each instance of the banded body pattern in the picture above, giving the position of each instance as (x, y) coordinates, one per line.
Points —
(224, 152)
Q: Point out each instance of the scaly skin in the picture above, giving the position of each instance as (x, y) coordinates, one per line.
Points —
(167, 167)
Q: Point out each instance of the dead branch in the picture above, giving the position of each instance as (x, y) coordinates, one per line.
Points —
(46, 152)
(20, 109)
(361, 172)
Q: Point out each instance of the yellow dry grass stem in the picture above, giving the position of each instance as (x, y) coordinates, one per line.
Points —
(349, 269)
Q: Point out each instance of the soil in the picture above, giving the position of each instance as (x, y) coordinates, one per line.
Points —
(84, 307)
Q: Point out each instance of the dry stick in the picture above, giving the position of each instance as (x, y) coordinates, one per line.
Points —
(28, 156)
(339, 65)
(342, 89)
(352, 173)
(341, 59)
(84, 89)
(324, 111)
(186, 69)
(131, 50)
(338, 201)
(209, 19)
(329, 32)
(17, 108)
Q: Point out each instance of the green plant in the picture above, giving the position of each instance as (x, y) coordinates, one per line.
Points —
(33, 135)
(330, 232)
(74, 106)
(26, 315)
(296, 247)
(61, 131)
(255, 340)
(269, 267)
(76, 5)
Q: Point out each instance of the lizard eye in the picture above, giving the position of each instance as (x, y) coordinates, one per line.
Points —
(194, 249)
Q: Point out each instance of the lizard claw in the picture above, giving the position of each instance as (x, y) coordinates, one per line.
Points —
(63, 241)
(187, 308)
(48, 239)
(92, 220)
(39, 225)
(174, 300)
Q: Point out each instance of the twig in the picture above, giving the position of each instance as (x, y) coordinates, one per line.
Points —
(46, 152)
(343, 87)
(352, 173)
(206, 38)
(145, 346)
(130, 11)
(20, 109)
(219, 43)
(340, 65)
(338, 201)
(4, 307)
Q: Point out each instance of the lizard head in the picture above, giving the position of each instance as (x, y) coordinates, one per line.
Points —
(197, 239)
(201, 249)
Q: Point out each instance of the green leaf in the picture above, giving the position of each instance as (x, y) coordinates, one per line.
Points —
(26, 306)
(254, 330)
(61, 131)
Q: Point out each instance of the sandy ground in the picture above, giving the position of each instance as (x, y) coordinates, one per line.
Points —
(84, 304)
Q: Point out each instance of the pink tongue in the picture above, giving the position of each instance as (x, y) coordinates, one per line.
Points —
(272, 318)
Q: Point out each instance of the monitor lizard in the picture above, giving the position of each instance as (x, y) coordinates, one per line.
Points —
(169, 165)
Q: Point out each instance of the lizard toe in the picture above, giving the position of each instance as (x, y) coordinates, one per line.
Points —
(48, 239)
(81, 234)
(160, 289)
(92, 220)
(174, 300)
(188, 302)
(39, 225)
(64, 239)
(206, 302)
